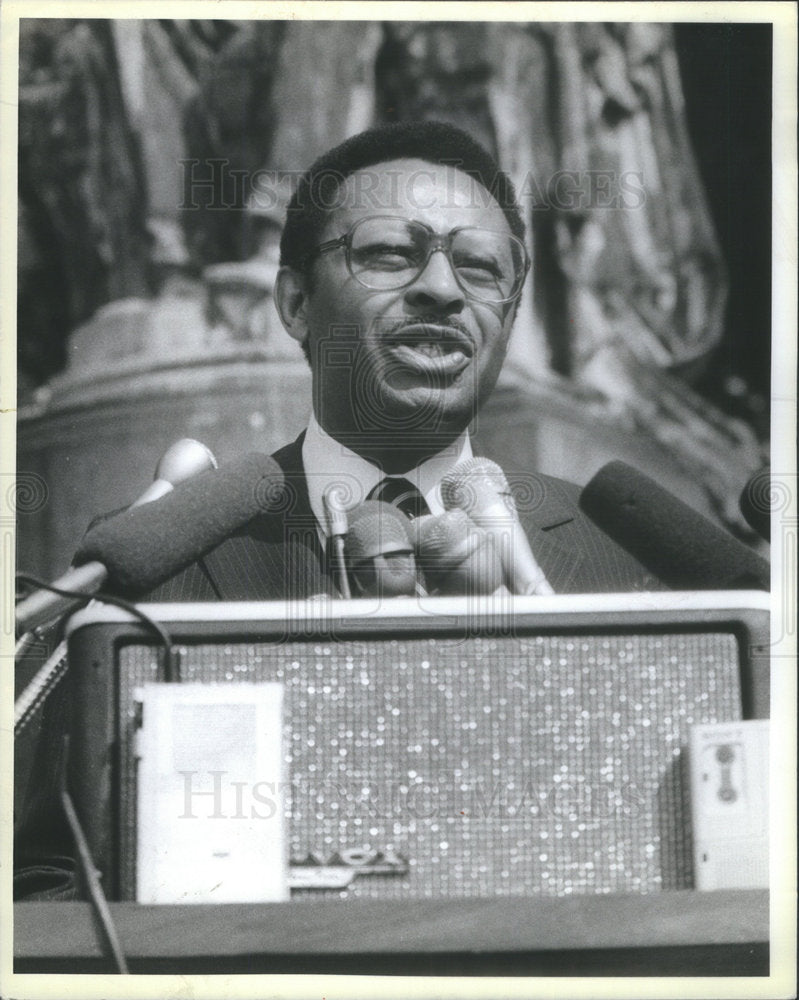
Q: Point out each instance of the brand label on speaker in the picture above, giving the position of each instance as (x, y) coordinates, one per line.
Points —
(341, 868)
(729, 799)
(210, 826)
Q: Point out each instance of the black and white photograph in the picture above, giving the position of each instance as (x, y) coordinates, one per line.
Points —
(398, 499)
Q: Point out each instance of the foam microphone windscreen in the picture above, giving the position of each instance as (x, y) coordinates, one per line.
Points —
(681, 547)
(143, 546)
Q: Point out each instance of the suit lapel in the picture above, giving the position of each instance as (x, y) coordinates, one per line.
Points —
(575, 555)
(275, 556)
(547, 515)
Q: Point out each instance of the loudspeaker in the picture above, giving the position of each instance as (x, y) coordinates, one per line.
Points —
(444, 747)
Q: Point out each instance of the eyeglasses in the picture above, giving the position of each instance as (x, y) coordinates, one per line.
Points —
(385, 253)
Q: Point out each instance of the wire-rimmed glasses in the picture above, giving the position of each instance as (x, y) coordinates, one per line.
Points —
(386, 253)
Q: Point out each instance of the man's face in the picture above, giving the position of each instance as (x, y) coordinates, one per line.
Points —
(411, 361)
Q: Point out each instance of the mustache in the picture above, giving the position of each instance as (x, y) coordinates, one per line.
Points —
(434, 322)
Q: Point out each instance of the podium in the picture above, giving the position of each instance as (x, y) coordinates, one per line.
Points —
(570, 716)
(724, 933)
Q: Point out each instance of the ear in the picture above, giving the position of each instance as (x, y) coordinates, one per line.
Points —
(291, 299)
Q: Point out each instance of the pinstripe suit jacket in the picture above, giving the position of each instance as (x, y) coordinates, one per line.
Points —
(276, 557)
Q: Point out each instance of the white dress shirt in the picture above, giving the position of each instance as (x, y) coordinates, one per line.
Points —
(328, 463)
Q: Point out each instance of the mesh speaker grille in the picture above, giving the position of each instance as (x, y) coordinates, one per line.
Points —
(499, 766)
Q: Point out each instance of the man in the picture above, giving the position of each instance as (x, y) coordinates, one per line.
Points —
(402, 267)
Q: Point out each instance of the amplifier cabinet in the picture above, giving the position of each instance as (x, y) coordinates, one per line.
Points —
(445, 747)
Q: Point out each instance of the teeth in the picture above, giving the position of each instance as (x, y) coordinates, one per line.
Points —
(432, 350)
(439, 355)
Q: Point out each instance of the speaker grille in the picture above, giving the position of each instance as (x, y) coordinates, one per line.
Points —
(549, 764)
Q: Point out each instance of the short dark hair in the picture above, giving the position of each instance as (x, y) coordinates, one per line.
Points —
(432, 141)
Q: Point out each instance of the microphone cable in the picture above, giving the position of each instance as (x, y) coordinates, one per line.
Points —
(40, 687)
(172, 663)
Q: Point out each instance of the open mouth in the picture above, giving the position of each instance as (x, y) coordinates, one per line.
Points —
(431, 348)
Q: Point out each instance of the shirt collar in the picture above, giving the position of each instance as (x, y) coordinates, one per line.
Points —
(327, 463)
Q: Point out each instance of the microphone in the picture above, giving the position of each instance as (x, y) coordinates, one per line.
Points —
(181, 461)
(478, 486)
(337, 527)
(755, 502)
(456, 555)
(143, 546)
(681, 547)
(379, 552)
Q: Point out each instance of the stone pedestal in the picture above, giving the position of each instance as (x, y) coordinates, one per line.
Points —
(141, 375)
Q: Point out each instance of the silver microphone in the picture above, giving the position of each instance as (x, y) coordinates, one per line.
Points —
(456, 555)
(478, 486)
(181, 461)
(337, 527)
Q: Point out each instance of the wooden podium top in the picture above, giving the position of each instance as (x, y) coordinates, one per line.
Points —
(672, 933)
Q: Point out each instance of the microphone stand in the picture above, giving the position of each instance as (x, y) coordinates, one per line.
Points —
(338, 527)
(337, 547)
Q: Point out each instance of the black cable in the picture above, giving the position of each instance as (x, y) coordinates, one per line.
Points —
(171, 657)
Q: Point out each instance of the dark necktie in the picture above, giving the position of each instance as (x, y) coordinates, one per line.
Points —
(402, 494)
